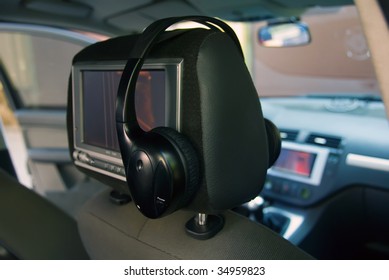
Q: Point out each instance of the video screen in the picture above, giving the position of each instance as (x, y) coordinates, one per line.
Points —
(99, 91)
(296, 162)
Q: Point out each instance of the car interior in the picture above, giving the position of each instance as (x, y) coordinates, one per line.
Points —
(194, 129)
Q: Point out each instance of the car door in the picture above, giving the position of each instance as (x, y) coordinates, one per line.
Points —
(35, 67)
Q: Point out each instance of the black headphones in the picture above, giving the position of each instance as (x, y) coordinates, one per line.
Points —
(162, 167)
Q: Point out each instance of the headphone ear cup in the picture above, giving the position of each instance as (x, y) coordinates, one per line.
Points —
(189, 159)
(273, 141)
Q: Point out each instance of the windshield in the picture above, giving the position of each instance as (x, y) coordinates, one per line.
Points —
(336, 63)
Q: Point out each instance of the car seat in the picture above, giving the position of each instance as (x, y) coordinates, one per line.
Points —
(33, 228)
(221, 115)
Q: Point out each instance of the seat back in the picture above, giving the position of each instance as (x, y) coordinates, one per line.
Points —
(33, 228)
(111, 231)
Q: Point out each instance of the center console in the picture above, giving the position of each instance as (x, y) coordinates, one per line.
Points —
(302, 174)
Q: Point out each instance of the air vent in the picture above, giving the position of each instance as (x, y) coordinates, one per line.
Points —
(288, 134)
(324, 140)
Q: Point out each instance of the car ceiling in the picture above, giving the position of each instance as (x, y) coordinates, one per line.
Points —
(124, 16)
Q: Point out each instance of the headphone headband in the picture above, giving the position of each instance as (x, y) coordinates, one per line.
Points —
(125, 104)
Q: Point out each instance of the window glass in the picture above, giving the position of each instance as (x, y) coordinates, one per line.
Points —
(38, 67)
(336, 62)
(6, 115)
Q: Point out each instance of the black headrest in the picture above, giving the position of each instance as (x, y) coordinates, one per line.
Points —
(220, 113)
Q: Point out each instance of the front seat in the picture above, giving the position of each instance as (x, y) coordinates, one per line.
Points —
(33, 228)
(30, 226)
(221, 116)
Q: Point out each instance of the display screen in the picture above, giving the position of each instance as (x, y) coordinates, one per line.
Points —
(99, 91)
(295, 162)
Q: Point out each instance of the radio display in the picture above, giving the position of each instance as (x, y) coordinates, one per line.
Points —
(296, 162)
(99, 91)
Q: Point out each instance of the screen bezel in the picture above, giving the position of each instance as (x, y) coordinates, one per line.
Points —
(317, 168)
(172, 69)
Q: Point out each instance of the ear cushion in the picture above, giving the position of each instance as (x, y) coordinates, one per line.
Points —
(190, 159)
(273, 141)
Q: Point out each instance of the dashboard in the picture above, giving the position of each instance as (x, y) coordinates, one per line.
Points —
(328, 191)
(328, 145)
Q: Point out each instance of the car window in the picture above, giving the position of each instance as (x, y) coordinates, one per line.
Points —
(38, 67)
(337, 61)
